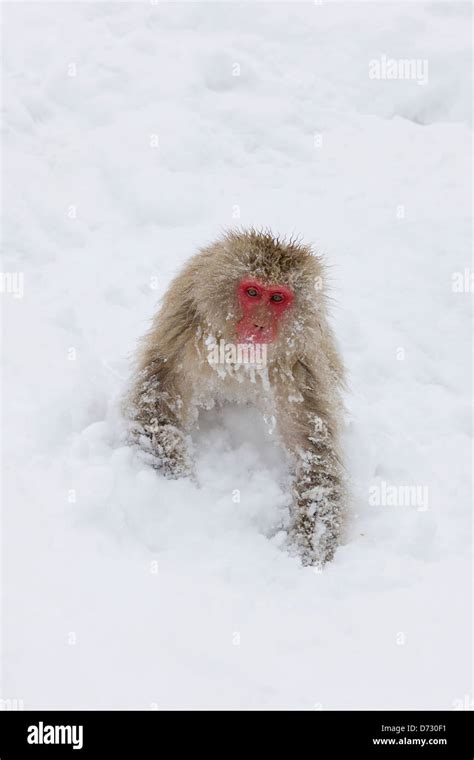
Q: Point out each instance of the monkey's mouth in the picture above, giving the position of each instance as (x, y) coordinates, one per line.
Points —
(251, 333)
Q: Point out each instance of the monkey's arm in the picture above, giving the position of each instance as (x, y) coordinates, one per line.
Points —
(318, 488)
(158, 412)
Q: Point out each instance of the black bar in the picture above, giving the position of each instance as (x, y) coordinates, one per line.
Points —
(417, 734)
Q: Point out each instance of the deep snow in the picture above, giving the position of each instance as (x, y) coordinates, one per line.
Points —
(121, 589)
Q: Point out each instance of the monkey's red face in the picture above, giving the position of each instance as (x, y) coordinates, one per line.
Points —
(263, 307)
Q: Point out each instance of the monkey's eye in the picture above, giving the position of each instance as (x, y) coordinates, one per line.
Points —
(277, 298)
(252, 292)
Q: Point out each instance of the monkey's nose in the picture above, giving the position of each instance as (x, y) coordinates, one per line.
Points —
(259, 327)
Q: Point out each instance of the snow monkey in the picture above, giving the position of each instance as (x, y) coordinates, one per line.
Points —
(246, 320)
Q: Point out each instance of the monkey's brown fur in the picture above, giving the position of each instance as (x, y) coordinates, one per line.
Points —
(300, 387)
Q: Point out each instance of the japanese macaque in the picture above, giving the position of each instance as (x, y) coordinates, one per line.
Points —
(246, 320)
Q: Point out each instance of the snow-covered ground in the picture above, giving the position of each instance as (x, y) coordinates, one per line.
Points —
(133, 134)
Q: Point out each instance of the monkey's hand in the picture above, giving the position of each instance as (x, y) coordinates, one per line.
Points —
(318, 507)
(168, 447)
(157, 427)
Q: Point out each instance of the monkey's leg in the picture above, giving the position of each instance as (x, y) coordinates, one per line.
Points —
(319, 495)
(158, 412)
